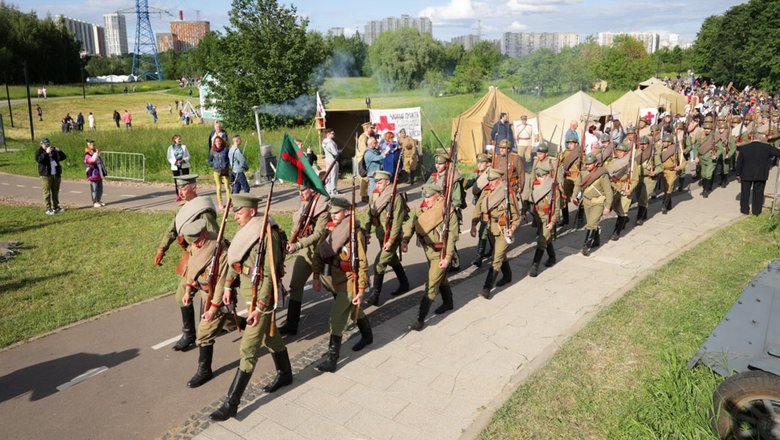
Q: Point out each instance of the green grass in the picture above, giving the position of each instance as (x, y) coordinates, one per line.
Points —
(55, 91)
(633, 383)
(81, 263)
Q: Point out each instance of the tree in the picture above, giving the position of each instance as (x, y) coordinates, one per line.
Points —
(346, 56)
(539, 70)
(399, 59)
(626, 63)
(266, 58)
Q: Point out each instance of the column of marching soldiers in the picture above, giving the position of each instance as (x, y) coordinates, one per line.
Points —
(329, 245)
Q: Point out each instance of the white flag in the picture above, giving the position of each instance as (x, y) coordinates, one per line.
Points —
(320, 107)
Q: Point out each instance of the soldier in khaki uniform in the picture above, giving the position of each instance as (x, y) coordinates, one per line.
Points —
(334, 256)
(516, 166)
(546, 200)
(649, 166)
(477, 182)
(411, 156)
(706, 149)
(388, 252)
(305, 248)
(605, 149)
(595, 194)
(672, 158)
(439, 177)
(362, 142)
(242, 259)
(624, 176)
(524, 144)
(203, 245)
(191, 208)
(570, 165)
(427, 223)
(502, 222)
(726, 147)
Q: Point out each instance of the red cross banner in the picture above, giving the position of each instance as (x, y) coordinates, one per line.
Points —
(395, 119)
(649, 113)
(295, 168)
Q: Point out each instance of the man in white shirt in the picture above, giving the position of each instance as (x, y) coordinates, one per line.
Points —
(331, 155)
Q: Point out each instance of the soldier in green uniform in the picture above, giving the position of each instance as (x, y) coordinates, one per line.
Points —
(439, 177)
(427, 223)
(203, 246)
(411, 157)
(305, 248)
(595, 195)
(191, 208)
(477, 182)
(570, 165)
(649, 167)
(388, 249)
(624, 176)
(516, 167)
(605, 149)
(333, 257)
(242, 260)
(502, 222)
(706, 149)
(672, 159)
(546, 199)
(726, 146)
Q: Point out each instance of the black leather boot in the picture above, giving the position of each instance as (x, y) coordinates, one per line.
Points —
(681, 184)
(366, 336)
(588, 245)
(446, 297)
(187, 329)
(490, 281)
(506, 274)
(534, 219)
(534, 271)
(332, 357)
(723, 180)
(376, 290)
(580, 217)
(705, 187)
(481, 245)
(204, 373)
(290, 326)
(618, 227)
(425, 306)
(551, 260)
(564, 216)
(229, 407)
(597, 237)
(283, 371)
(403, 281)
(641, 213)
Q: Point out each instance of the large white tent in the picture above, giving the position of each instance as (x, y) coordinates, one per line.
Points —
(574, 108)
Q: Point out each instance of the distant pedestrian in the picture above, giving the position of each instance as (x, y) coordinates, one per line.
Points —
(91, 119)
(96, 171)
(190, 91)
(39, 110)
(218, 159)
(128, 118)
(154, 114)
(80, 122)
(44, 92)
(238, 166)
(117, 118)
(50, 172)
(125, 90)
(177, 104)
(179, 158)
(170, 109)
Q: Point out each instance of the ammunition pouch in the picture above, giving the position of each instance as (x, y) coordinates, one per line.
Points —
(438, 246)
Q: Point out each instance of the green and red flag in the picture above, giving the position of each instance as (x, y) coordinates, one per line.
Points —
(295, 167)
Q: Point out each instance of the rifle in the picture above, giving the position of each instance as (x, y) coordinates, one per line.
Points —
(257, 274)
(626, 191)
(353, 264)
(213, 272)
(305, 220)
(554, 192)
(728, 137)
(507, 195)
(445, 231)
(582, 156)
(391, 207)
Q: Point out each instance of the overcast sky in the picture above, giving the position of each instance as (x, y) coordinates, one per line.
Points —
(450, 17)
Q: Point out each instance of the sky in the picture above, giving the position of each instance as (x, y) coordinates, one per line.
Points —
(450, 18)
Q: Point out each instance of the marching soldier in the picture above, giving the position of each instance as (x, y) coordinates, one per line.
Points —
(516, 166)
(305, 247)
(333, 257)
(570, 162)
(477, 182)
(706, 148)
(524, 144)
(439, 177)
(388, 251)
(605, 149)
(242, 258)
(673, 161)
(502, 222)
(681, 139)
(624, 176)
(546, 199)
(595, 195)
(411, 156)
(726, 146)
(644, 127)
(190, 209)
(649, 167)
(426, 223)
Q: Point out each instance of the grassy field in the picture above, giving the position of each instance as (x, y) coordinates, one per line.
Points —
(54, 91)
(633, 383)
(79, 264)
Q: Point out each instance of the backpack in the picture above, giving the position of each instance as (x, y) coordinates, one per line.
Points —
(362, 170)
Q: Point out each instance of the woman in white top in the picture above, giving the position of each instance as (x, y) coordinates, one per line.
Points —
(179, 158)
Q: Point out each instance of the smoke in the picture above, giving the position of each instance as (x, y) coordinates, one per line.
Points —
(342, 65)
(301, 107)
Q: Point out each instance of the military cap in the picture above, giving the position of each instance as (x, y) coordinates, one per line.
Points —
(494, 174)
(623, 146)
(644, 140)
(504, 143)
(679, 125)
(482, 157)
(749, 117)
(605, 137)
(186, 179)
(708, 125)
(192, 230)
(441, 158)
(524, 117)
(544, 147)
(45, 141)
(571, 138)
(668, 138)
(542, 170)
(736, 118)
(590, 158)
(429, 189)
(631, 130)
(245, 201)
(381, 175)
(645, 119)
(403, 130)
(367, 125)
(338, 203)
(708, 118)
(721, 119)
(655, 127)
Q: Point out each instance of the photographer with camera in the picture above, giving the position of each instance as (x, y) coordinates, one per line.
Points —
(50, 171)
(96, 171)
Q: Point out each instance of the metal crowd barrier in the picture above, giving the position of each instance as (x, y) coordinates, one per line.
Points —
(124, 166)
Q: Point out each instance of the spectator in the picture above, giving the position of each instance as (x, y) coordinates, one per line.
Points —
(332, 154)
(125, 90)
(373, 159)
(218, 159)
(179, 158)
(39, 110)
(238, 166)
(96, 171)
(91, 119)
(572, 131)
(117, 118)
(68, 122)
(50, 171)
(170, 109)
(80, 122)
(154, 114)
(502, 129)
(753, 163)
(177, 104)
(128, 118)
(391, 151)
(44, 92)
(217, 131)
(310, 156)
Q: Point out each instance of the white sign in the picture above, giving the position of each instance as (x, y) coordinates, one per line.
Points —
(396, 119)
(649, 113)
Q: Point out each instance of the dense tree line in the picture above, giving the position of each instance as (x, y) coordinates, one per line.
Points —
(741, 45)
(50, 52)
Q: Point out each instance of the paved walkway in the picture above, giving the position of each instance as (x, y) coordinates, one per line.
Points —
(447, 381)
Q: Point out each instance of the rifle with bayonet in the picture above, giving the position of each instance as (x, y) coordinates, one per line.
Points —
(262, 248)
(391, 208)
(353, 261)
(213, 272)
(581, 163)
(304, 222)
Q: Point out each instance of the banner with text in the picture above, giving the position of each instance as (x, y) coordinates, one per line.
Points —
(393, 120)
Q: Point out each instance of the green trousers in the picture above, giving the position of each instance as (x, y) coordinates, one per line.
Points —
(341, 312)
(254, 339)
(208, 330)
(51, 191)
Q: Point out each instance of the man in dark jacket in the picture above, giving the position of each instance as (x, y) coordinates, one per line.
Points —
(753, 163)
(49, 158)
(218, 131)
(503, 130)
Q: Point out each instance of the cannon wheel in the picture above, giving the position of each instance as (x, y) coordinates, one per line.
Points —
(747, 406)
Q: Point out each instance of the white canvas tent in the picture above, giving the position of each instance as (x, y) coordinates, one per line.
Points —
(628, 105)
(649, 82)
(665, 97)
(573, 108)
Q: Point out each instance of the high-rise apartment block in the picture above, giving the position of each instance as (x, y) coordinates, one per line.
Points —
(375, 27)
(520, 44)
(467, 41)
(91, 37)
(650, 40)
(188, 34)
(116, 34)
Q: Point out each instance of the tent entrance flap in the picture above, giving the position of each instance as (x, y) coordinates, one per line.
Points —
(346, 124)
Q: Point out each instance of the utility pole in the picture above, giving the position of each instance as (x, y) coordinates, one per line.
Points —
(29, 102)
(8, 97)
